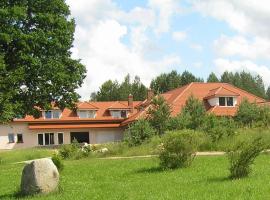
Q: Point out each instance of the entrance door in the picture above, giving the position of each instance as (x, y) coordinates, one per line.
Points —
(81, 137)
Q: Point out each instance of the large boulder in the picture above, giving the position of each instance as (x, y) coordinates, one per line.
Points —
(39, 176)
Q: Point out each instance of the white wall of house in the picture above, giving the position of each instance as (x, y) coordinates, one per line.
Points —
(30, 137)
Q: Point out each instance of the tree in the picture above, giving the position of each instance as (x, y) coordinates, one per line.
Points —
(212, 78)
(268, 93)
(188, 77)
(35, 58)
(158, 114)
(112, 90)
(172, 80)
(193, 110)
(109, 91)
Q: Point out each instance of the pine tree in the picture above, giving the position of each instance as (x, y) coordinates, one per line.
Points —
(212, 78)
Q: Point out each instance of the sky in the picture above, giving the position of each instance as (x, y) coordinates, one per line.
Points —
(114, 38)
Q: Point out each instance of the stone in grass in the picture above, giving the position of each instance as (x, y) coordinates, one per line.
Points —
(39, 177)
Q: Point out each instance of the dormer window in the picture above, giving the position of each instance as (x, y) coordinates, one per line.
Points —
(226, 101)
(119, 113)
(52, 114)
(86, 113)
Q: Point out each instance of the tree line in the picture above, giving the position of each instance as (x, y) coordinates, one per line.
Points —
(113, 90)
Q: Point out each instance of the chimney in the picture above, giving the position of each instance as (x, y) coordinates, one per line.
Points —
(130, 102)
(150, 94)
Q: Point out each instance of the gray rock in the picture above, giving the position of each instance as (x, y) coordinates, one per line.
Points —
(39, 176)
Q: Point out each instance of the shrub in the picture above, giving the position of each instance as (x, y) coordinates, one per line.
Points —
(247, 113)
(218, 127)
(179, 122)
(67, 151)
(57, 160)
(243, 156)
(178, 149)
(138, 132)
(74, 150)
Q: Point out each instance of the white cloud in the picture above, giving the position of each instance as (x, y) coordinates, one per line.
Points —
(258, 47)
(246, 65)
(179, 36)
(165, 9)
(245, 16)
(196, 47)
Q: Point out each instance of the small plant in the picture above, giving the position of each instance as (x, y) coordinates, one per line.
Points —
(138, 132)
(1, 161)
(178, 149)
(243, 156)
(57, 160)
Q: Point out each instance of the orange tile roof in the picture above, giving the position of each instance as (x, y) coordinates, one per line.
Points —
(86, 106)
(118, 105)
(178, 97)
(221, 91)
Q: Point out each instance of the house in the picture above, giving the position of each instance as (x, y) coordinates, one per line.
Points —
(100, 122)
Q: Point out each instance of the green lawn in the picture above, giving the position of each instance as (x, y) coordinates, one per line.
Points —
(142, 179)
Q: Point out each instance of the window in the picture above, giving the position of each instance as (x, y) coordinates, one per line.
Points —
(46, 139)
(119, 113)
(52, 114)
(124, 114)
(40, 139)
(11, 138)
(226, 101)
(60, 138)
(19, 138)
(86, 113)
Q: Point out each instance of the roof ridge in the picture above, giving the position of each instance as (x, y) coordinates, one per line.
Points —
(188, 86)
(246, 92)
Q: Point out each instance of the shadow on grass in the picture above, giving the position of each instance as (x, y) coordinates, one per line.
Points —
(151, 170)
(218, 179)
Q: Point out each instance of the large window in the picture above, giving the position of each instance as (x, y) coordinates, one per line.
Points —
(46, 139)
(119, 113)
(52, 114)
(60, 138)
(226, 101)
(86, 113)
(11, 138)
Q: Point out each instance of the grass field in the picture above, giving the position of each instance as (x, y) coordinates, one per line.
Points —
(142, 179)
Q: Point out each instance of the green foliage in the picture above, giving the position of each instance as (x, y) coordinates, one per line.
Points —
(248, 113)
(165, 82)
(57, 160)
(112, 90)
(178, 149)
(193, 110)
(138, 132)
(212, 78)
(180, 122)
(74, 151)
(158, 114)
(218, 127)
(268, 93)
(243, 156)
(36, 67)
(245, 81)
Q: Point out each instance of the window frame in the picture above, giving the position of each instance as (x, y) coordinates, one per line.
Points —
(62, 138)
(53, 114)
(226, 100)
(46, 136)
(88, 114)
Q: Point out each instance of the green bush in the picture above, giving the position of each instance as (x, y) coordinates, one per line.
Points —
(74, 151)
(180, 122)
(57, 160)
(243, 156)
(138, 132)
(218, 127)
(178, 149)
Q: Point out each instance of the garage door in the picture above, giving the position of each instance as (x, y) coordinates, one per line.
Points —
(81, 137)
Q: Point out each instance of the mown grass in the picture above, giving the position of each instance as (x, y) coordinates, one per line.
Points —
(143, 179)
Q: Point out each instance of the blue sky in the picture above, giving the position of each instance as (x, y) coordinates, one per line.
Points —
(149, 37)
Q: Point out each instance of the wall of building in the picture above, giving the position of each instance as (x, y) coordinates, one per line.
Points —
(30, 137)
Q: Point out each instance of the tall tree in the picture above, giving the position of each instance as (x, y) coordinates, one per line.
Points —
(158, 114)
(172, 80)
(268, 93)
(35, 58)
(112, 90)
(188, 77)
(212, 78)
